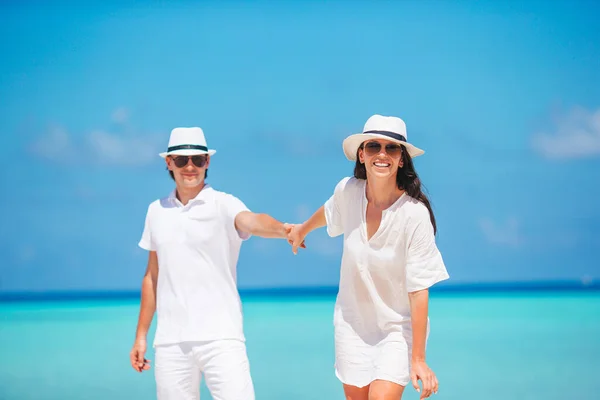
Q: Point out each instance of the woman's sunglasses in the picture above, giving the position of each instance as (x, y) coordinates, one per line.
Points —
(373, 148)
(182, 161)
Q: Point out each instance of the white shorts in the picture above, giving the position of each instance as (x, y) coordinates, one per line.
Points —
(224, 364)
(358, 363)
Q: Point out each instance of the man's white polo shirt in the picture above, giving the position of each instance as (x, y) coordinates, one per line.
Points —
(197, 247)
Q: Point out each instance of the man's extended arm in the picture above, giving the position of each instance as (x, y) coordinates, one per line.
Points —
(262, 225)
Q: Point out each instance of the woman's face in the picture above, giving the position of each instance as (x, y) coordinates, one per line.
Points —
(381, 157)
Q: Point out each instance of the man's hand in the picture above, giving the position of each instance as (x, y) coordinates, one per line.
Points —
(136, 357)
(420, 370)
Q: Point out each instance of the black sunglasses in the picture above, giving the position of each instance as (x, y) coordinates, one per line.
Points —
(372, 148)
(181, 161)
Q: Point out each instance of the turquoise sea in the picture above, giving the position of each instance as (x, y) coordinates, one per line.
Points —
(493, 346)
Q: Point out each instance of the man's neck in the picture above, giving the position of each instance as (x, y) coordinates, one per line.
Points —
(185, 194)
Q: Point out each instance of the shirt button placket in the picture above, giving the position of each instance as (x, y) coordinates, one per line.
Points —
(181, 225)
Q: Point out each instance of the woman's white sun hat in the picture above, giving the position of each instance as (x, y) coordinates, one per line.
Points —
(187, 142)
(380, 127)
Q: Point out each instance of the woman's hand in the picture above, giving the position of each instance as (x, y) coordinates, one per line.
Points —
(420, 370)
(295, 236)
(136, 356)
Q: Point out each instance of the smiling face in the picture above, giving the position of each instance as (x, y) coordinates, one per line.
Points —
(381, 158)
(188, 171)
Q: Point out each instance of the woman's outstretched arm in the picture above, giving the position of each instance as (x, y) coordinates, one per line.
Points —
(299, 232)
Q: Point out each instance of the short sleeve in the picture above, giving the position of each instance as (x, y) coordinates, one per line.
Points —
(232, 206)
(425, 266)
(146, 241)
(333, 209)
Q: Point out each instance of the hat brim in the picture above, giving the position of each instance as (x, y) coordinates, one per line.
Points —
(187, 152)
(353, 142)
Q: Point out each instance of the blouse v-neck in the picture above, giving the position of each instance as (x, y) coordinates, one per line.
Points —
(384, 214)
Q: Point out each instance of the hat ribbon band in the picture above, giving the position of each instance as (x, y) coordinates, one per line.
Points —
(392, 135)
(187, 147)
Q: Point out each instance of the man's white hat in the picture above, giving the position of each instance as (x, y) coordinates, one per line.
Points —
(380, 127)
(187, 142)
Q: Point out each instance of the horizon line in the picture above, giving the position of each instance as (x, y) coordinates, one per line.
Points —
(291, 291)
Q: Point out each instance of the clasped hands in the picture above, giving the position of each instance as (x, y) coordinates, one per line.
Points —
(295, 236)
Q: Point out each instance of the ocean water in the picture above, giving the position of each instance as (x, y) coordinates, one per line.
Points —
(482, 346)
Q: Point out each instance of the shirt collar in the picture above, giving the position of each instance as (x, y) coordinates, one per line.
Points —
(200, 197)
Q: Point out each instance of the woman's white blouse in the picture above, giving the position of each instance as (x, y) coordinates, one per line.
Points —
(377, 274)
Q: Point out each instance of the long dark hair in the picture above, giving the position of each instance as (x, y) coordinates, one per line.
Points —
(406, 179)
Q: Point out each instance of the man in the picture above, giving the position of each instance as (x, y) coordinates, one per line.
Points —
(194, 237)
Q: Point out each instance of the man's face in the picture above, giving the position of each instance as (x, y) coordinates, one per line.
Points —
(188, 171)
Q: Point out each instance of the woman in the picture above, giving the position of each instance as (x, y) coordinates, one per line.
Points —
(389, 261)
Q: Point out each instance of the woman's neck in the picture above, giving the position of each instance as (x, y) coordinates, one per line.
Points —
(382, 193)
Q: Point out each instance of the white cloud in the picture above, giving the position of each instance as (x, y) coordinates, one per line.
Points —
(111, 148)
(99, 146)
(55, 145)
(120, 115)
(576, 134)
(507, 234)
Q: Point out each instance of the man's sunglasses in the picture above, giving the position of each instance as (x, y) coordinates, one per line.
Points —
(182, 161)
(373, 148)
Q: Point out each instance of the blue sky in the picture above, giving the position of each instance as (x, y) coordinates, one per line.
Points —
(503, 97)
